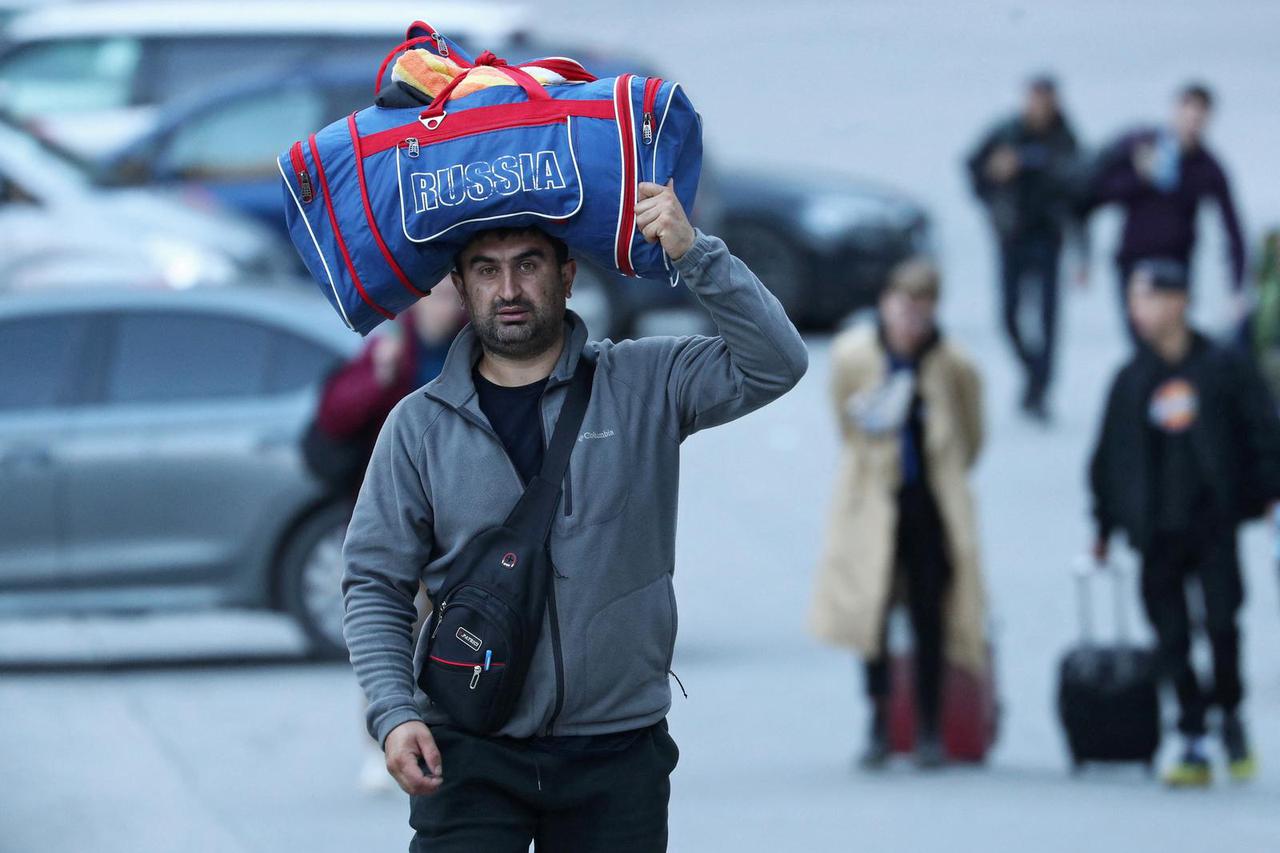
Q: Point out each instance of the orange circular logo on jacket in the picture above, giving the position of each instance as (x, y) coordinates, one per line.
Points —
(1174, 405)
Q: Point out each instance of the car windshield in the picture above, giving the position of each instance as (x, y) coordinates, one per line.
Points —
(68, 74)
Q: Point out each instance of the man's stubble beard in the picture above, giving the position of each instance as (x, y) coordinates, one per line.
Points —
(535, 337)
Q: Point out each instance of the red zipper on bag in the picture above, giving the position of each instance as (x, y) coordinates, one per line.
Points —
(468, 665)
(484, 120)
(300, 172)
(368, 213)
(651, 87)
(627, 135)
(337, 233)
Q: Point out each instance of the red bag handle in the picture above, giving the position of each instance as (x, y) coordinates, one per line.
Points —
(396, 51)
(535, 90)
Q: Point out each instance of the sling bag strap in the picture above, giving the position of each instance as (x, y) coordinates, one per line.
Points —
(535, 511)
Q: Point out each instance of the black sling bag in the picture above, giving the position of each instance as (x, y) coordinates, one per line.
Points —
(489, 613)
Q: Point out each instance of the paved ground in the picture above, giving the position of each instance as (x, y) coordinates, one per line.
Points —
(231, 745)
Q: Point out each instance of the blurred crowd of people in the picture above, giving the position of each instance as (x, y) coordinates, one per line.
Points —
(1188, 450)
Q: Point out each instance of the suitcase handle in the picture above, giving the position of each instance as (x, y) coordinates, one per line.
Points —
(1085, 569)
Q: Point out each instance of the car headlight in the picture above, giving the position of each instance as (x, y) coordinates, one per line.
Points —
(831, 217)
(183, 265)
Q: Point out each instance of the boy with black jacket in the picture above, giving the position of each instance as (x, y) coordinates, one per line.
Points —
(1189, 449)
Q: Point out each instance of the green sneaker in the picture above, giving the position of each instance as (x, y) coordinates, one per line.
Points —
(1242, 765)
(1190, 771)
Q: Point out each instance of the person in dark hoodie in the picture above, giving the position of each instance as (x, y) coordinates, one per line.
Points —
(1189, 449)
(1024, 172)
(1159, 177)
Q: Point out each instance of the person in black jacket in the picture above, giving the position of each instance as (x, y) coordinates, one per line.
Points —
(1159, 177)
(1023, 171)
(1189, 449)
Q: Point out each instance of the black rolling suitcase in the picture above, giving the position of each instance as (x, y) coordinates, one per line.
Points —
(1107, 693)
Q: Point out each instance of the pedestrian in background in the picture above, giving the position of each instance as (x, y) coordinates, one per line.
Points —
(1159, 177)
(1264, 327)
(1024, 171)
(909, 408)
(1189, 448)
(355, 402)
(357, 398)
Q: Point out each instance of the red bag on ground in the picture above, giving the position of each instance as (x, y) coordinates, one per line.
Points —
(970, 709)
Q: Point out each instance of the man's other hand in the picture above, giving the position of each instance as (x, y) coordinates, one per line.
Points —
(408, 747)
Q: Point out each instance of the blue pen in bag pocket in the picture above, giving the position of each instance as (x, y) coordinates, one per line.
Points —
(488, 656)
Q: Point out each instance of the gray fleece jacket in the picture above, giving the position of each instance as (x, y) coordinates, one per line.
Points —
(439, 475)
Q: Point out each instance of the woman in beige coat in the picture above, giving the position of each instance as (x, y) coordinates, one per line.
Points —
(910, 414)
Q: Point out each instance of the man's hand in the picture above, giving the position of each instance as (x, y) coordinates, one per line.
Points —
(407, 745)
(1003, 164)
(1101, 550)
(661, 217)
(1144, 161)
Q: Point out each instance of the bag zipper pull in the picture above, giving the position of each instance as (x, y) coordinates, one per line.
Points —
(444, 605)
(441, 46)
(647, 128)
(475, 676)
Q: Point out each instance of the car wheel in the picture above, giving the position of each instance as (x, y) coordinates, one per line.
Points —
(777, 262)
(310, 575)
(595, 302)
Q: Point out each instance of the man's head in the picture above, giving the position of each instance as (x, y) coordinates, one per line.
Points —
(1191, 113)
(1041, 107)
(909, 304)
(1158, 298)
(514, 283)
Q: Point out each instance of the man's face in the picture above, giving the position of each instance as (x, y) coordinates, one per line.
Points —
(514, 292)
(1190, 117)
(1154, 312)
(908, 319)
(1041, 107)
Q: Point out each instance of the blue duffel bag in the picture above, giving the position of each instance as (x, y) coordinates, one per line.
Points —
(379, 202)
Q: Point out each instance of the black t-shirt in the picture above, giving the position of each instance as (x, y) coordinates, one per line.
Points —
(516, 416)
(1178, 483)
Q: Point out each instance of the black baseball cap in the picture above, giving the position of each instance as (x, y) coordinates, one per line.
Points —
(1165, 273)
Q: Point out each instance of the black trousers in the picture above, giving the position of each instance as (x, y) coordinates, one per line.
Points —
(923, 571)
(1170, 564)
(1031, 261)
(500, 794)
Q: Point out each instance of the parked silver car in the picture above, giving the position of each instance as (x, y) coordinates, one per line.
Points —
(150, 459)
(55, 218)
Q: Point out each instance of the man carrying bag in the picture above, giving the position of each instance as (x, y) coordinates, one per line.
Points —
(568, 748)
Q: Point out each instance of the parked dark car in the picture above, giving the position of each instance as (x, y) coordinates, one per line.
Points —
(150, 454)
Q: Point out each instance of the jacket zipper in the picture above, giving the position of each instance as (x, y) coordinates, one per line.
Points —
(568, 489)
(651, 86)
(300, 172)
(484, 120)
(553, 616)
(556, 653)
